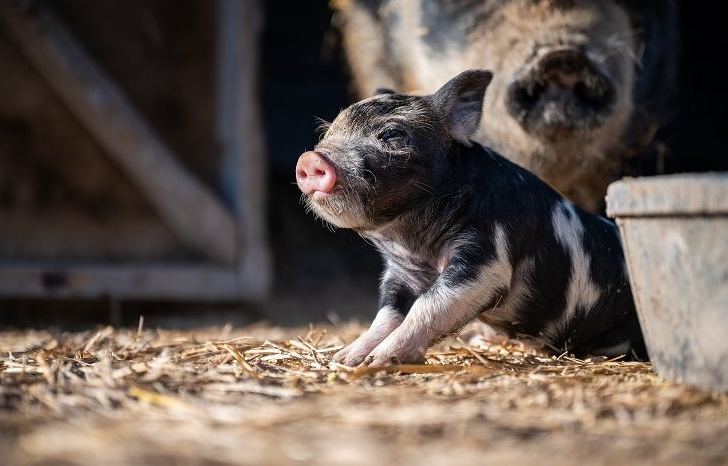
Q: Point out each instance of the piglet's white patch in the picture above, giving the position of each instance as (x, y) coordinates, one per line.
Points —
(569, 231)
(498, 272)
(460, 304)
(507, 310)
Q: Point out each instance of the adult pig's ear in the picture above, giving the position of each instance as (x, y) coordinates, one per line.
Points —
(460, 101)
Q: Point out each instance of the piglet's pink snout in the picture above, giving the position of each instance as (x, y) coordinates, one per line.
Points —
(314, 173)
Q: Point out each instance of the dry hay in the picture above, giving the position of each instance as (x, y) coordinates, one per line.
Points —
(268, 396)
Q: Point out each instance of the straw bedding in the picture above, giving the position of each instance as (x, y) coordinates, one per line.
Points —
(269, 396)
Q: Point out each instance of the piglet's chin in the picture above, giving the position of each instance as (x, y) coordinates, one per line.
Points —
(320, 195)
(340, 221)
(328, 209)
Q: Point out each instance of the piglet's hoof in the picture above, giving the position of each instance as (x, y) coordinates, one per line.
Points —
(373, 361)
(340, 355)
(387, 355)
(352, 356)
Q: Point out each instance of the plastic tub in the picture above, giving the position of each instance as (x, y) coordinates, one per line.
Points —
(675, 234)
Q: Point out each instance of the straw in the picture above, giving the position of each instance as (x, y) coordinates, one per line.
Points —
(271, 396)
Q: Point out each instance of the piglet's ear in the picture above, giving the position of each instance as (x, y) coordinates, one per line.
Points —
(461, 101)
(383, 90)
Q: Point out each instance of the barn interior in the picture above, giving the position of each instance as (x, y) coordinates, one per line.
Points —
(229, 319)
(67, 205)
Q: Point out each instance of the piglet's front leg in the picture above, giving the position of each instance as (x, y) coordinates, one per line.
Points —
(385, 323)
(394, 299)
(451, 302)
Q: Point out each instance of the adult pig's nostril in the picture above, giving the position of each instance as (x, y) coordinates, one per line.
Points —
(314, 173)
(572, 71)
(563, 89)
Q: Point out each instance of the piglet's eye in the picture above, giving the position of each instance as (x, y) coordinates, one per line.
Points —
(391, 134)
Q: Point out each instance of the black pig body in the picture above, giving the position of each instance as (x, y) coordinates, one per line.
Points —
(465, 233)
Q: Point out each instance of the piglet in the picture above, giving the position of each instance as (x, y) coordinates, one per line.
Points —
(464, 233)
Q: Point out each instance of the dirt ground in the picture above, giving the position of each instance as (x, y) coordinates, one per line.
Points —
(268, 396)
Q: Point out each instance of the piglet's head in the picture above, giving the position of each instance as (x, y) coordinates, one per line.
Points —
(386, 155)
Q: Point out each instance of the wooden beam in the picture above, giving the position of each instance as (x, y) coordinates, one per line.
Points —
(133, 282)
(240, 134)
(186, 205)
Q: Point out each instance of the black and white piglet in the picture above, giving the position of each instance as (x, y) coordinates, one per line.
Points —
(464, 232)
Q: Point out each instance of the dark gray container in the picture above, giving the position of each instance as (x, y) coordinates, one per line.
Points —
(675, 234)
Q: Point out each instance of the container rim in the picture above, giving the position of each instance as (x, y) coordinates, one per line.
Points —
(669, 195)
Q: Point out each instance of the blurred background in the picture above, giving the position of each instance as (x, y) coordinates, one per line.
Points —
(147, 151)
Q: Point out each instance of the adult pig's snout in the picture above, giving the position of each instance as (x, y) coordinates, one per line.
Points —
(315, 174)
(564, 89)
